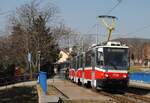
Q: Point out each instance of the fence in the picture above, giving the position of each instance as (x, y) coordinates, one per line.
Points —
(140, 76)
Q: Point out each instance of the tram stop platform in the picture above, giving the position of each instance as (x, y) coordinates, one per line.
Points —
(63, 90)
(70, 92)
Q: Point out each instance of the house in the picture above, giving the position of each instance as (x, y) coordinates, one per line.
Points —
(62, 63)
(64, 56)
(146, 55)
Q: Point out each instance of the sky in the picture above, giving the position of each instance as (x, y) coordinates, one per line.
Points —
(81, 15)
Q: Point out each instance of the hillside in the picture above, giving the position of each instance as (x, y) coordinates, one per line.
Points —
(139, 48)
(131, 41)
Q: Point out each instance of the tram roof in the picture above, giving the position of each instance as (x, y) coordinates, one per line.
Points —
(110, 44)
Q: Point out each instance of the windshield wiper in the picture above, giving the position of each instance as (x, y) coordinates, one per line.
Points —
(114, 66)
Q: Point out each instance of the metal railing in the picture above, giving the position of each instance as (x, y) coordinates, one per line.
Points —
(140, 76)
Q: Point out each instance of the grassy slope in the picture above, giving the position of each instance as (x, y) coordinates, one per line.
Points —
(19, 95)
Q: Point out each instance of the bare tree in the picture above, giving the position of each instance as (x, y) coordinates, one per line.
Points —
(34, 30)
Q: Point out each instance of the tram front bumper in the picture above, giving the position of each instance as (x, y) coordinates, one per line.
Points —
(111, 82)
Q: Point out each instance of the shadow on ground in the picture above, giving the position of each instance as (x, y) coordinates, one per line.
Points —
(19, 95)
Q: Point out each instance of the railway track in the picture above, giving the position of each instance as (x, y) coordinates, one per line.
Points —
(130, 95)
(138, 94)
(125, 96)
(118, 98)
(52, 90)
(137, 97)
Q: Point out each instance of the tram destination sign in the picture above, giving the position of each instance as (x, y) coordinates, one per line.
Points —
(119, 50)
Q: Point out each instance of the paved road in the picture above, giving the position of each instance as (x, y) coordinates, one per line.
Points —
(75, 92)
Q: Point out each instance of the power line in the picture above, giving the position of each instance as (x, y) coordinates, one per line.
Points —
(6, 12)
(109, 11)
(139, 29)
(132, 33)
(91, 28)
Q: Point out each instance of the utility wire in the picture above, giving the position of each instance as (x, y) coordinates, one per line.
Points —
(6, 12)
(90, 29)
(139, 29)
(109, 11)
(135, 31)
(132, 32)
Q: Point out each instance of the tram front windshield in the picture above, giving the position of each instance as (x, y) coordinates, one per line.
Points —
(116, 58)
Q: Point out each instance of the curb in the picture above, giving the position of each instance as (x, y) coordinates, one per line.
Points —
(42, 98)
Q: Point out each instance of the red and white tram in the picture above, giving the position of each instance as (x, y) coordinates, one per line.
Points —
(102, 66)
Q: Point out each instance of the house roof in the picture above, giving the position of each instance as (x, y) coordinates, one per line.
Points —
(64, 55)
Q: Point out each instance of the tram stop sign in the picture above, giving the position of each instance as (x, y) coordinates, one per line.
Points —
(29, 57)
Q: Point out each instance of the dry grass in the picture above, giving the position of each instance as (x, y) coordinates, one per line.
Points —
(19, 95)
(52, 91)
(135, 69)
(86, 101)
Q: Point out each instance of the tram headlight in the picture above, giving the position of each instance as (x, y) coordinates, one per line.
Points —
(124, 76)
(106, 75)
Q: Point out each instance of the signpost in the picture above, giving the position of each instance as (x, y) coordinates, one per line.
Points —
(29, 61)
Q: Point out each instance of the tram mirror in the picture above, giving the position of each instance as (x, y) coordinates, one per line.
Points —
(100, 62)
(92, 54)
(100, 58)
(100, 49)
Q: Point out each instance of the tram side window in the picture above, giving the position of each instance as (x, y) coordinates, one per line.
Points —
(100, 58)
(71, 65)
(78, 62)
(81, 61)
(74, 63)
(88, 59)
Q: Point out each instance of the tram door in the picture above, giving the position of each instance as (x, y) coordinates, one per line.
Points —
(93, 61)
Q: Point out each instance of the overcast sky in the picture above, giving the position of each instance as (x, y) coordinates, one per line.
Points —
(133, 15)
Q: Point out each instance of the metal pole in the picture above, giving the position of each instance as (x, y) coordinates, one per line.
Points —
(29, 61)
(30, 70)
(93, 68)
(96, 33)
(39, 57)
(83, 66)
(82, 45)
(68, 42)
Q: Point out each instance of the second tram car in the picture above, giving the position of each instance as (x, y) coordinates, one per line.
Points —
(102, 66)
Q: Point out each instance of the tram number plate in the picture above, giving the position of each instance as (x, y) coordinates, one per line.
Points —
(116, 75)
